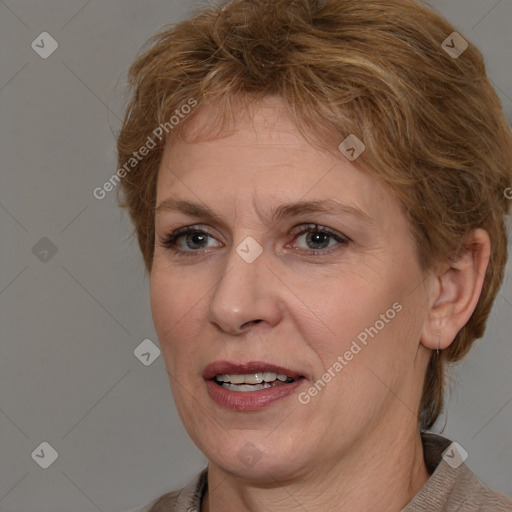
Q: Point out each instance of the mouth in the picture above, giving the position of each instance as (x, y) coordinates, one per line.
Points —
(251, 381)
(250, 386)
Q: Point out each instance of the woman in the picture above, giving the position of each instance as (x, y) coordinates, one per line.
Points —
(319, 191)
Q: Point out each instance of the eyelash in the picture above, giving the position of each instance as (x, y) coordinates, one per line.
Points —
(169, 241)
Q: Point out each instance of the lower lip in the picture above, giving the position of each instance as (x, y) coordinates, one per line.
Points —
(250, 400)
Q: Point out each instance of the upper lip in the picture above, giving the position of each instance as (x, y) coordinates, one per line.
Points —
(232, 368)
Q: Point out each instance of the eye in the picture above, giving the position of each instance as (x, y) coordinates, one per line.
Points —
(191, 240)
(319, 238)
(194, 240)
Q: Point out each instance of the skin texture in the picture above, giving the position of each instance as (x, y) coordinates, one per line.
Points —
(356, 444)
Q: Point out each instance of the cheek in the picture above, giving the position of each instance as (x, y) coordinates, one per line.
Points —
(162, 304)
(374, 320)
(344, 309)
(174, 313)
(171, 308)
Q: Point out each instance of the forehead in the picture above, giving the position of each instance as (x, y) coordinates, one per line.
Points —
(258, 135)
(268, 118)
(259, 154)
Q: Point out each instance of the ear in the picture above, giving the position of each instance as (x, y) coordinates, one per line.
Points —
(456, 292)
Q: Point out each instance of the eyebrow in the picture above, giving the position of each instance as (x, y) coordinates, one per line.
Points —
(326, 206)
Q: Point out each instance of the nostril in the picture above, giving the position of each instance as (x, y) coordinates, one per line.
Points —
(251, 322)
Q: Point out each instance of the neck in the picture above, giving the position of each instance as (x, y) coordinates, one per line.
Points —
(376, 475)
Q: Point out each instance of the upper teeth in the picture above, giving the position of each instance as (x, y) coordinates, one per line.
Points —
(251, 378)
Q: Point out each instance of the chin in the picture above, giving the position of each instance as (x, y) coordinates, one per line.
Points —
(253, 457)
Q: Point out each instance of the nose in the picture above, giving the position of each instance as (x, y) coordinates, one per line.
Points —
(245, 294)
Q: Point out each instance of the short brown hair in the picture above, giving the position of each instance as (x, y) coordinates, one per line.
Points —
(432, 123)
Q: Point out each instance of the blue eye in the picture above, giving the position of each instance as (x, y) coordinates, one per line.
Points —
(196, 240)
(193, 237)
(321, 236)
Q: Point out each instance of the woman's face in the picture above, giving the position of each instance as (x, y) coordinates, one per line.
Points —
(331, 294)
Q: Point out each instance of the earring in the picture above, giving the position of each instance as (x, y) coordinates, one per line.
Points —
(438, 333)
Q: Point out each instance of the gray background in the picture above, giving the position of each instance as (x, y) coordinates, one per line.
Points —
(71, 320)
